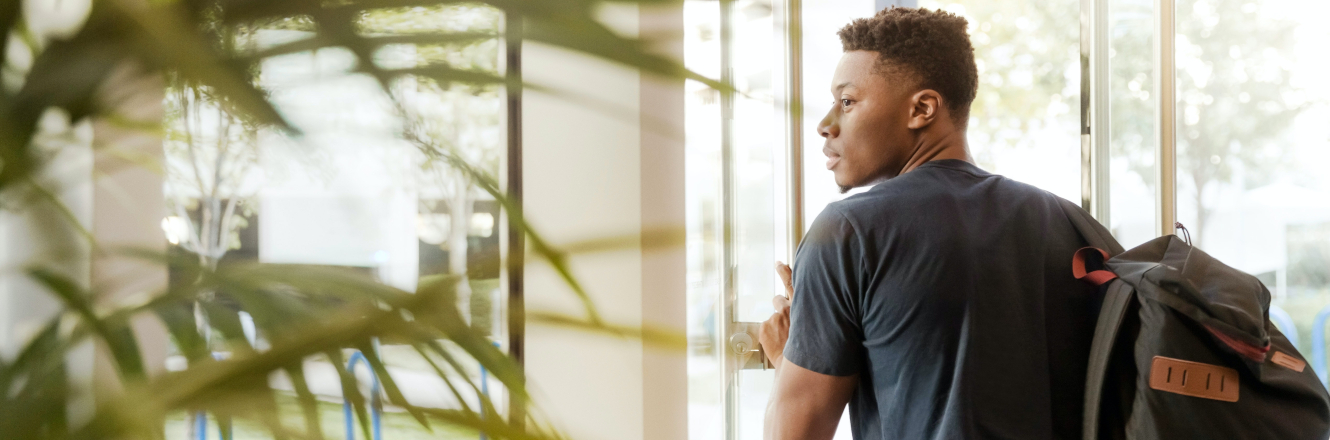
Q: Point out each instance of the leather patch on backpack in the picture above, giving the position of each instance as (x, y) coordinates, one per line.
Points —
(1289, 362)
(1194, 379)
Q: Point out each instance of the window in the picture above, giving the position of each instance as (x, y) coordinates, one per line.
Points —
(1252, 106)
(1024, 120)
(1132, 205)
(351, 193)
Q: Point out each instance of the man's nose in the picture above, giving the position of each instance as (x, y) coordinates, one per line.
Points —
(828, 128)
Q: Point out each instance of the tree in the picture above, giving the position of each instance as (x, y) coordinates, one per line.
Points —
(1232, 80)
(1233, 85)
(210, 153)
(1024, 51)
(464, 119)
(1234, 66)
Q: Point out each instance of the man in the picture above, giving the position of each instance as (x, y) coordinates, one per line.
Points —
(940, 303)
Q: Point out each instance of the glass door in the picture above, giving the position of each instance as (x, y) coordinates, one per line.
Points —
(739, 207)
(753, 148)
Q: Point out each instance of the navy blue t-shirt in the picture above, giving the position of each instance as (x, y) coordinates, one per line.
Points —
(948, 291)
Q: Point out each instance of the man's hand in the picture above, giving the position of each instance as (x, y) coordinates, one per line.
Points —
(776, 330)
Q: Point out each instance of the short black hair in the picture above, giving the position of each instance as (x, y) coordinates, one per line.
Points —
(930, 46)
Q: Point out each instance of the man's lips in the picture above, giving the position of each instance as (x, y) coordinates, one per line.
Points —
(832, 157)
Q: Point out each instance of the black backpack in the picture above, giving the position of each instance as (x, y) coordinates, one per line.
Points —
(1184, 348)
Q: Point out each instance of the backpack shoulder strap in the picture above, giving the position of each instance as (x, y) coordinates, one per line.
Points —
(1117, 298)
(1090, 229)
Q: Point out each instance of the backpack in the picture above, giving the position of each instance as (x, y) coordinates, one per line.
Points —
(1184, 349)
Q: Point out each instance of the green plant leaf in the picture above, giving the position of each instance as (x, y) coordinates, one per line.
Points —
(119, 339)
(670, 339)
(167, 35)
(319, 41)
(389, 385)
(308, 403)
(351, 391)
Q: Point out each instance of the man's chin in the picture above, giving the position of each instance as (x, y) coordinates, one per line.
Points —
(843, 185)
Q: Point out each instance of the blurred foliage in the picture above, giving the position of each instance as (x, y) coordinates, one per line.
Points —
(1236, 100)
(1308, 256)
(1027, 54)
(204, 49)
(1234, 62)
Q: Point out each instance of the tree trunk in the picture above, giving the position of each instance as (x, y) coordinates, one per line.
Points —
(459, 212)
(1202, 212)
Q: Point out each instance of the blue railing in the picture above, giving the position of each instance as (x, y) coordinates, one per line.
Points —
(1285, 324)
(485, 389)
(201, 418)
(376, 406)
(1318, 343)
(201, 427)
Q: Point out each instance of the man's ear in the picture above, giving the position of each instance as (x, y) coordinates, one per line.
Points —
(925, 107)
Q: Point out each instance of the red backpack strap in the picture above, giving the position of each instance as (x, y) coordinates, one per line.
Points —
(1078, 266)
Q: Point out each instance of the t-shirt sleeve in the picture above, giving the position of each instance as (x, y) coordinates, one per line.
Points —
(825, 332)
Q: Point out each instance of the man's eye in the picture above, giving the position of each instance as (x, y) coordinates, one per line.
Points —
(845, 102)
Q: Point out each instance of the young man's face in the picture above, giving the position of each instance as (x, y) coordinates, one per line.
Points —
(866, 131)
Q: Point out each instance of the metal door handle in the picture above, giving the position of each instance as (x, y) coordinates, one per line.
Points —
(743, 343)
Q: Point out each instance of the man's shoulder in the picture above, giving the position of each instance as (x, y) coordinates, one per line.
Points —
(922, 196)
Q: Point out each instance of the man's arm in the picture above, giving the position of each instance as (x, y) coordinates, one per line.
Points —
(806, 404)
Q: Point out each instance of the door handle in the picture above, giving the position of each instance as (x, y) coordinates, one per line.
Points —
(744, 346)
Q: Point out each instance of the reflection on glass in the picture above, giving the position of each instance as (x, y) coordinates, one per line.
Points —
(1133, 144)
(1252, 139)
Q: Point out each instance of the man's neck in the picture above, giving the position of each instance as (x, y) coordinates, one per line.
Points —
(943, 144)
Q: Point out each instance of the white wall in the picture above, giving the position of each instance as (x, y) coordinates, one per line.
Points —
(112, 195)
(36, 232)
(591, 172)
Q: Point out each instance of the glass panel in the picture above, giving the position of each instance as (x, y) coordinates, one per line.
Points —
(754, 393)
(1024, 122)
(702, 125)
(760, 189)
(757, 202)
(1133, 144)
(759, 197)
(1253, 142)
